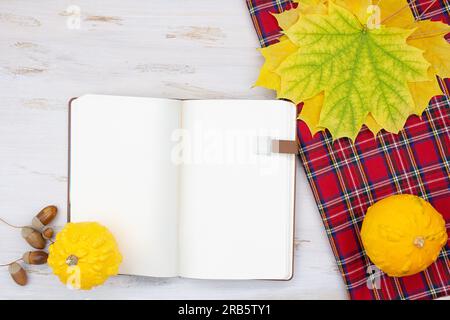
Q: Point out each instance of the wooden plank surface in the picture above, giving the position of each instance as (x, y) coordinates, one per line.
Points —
(172, 49)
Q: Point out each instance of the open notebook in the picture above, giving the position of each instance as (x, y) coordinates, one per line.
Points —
(186, 187)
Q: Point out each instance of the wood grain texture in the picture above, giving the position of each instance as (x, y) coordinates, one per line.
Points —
(177, 49)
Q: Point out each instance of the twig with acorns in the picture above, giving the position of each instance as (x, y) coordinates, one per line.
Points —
(36, 235)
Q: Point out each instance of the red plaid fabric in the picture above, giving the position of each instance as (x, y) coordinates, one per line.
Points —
(347, 178)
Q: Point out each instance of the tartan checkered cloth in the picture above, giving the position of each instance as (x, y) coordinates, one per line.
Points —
(347, 178)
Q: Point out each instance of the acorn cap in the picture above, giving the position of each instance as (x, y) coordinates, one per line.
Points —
(36, 223)
(26, 231)
(35, 257)
(33, 238)
(47, 233)
(44, 217)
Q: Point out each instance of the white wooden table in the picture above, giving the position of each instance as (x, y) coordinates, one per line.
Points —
(173, 49)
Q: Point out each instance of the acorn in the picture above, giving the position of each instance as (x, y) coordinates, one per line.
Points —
(44, 217)
(33, 237)
(35, 257)
(18, 274)
(47, 233)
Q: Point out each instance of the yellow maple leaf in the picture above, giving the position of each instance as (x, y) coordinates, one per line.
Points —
(423, 91)
(357, 7)
(310, 2)
(288, 18)
(396, 13)
(310, 113)
(274, 55)
(429, 36)
(372, 124)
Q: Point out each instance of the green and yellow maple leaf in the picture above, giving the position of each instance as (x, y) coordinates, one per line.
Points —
(360, 70)
(312, 108)
(276, 53)
(426, 35)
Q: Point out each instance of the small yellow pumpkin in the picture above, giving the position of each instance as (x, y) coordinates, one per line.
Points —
(84, 255)
(403, 234)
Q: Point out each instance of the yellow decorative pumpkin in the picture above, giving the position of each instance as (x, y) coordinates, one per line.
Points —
(403, 234)
(84, 255)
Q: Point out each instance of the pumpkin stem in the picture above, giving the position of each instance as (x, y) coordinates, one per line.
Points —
(72, 260)
(419, 242)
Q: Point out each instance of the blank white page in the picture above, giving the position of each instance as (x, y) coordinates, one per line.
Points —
(236, 206)
(122, 176)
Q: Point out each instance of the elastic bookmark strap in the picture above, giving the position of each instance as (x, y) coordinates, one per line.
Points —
(267, 145)
(285, 146)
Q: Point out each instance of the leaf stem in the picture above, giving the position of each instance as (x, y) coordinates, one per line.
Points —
(392, 15)
(424, 35)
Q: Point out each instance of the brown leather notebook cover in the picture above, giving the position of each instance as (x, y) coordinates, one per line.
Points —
(69, 113)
